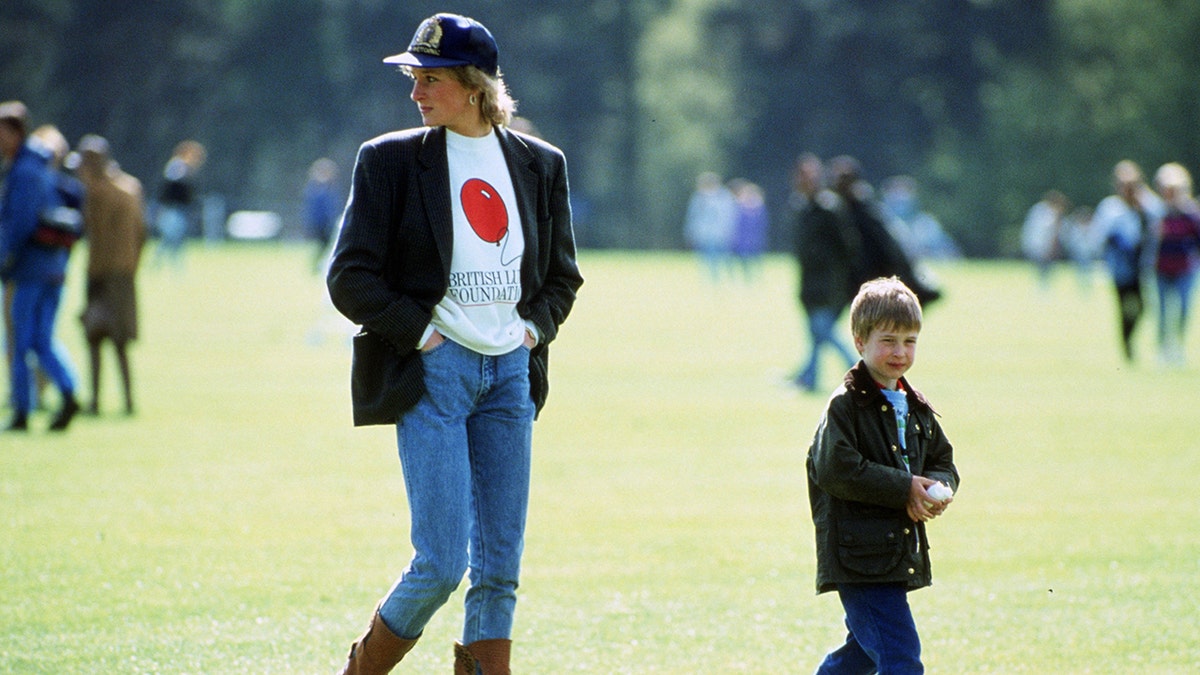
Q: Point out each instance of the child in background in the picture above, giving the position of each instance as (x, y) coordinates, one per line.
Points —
(879, 468)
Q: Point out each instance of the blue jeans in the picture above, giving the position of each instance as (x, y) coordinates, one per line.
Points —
(34, 309)
(1175, 291)
(821, 322)
(465, 450)
(883, 638)
(172, 224)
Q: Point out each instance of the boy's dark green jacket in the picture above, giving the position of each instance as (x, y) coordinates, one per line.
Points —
(858, 485)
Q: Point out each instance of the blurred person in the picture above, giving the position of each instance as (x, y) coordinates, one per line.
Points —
(322, 208)
(457, 258)
(61, 228)
(750, 227)
(1079, 243)
(826, 250)
(876, 461)
(710, 222)
(1178, 242)
(1042, 231)
(36, 265)
(918, 230)
(67, 227)
(1123, 222)
(880, 253)
(116, 229)
(177, 200)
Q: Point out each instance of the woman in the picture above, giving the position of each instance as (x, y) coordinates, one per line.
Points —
(457, 257)
(116, 230)
(1178, 256)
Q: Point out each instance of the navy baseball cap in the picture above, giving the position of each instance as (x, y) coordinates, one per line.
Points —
(448, 40)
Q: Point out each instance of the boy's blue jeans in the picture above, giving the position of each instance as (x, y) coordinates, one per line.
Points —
(883, 637)
(465, 451)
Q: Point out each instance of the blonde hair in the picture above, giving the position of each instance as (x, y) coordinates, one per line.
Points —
(496, 105)
(1127, 172)
(884, 303)
(1174, 175)
(50, 138)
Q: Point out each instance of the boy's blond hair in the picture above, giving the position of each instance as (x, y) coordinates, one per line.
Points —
(884, 303)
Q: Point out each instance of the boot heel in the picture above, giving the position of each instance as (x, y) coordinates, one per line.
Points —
(490, 657)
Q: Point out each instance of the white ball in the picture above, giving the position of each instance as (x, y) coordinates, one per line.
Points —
(940, 491)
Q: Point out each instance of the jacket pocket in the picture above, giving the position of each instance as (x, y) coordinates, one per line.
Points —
(870, 546)
(381, 381)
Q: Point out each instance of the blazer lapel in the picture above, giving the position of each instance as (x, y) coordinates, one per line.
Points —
(435, 192)
(525, 184)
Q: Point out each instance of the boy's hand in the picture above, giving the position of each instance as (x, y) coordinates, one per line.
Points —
(921, 506)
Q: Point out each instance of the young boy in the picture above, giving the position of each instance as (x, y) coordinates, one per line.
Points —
(876, 454)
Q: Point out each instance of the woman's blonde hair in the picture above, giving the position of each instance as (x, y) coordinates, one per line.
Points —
(497, 106)
(884, 303)
(495, 103)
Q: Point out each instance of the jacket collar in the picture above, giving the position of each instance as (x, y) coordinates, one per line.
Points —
(864, 390)
(434, 180)
(522, 170)
(433, 148)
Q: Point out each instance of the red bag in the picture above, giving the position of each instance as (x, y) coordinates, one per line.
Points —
(59, 227)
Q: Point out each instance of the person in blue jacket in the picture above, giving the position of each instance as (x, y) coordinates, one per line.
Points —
(322, 208)
(35, 264)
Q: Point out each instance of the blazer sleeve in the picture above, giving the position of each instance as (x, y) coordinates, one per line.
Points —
(360, 269)
(549, 305)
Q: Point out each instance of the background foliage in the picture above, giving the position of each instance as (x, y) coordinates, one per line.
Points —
(987, 102)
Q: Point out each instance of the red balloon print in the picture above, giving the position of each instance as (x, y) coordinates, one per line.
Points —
(485, 210)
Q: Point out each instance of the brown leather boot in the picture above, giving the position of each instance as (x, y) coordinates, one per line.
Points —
(377, 651)
(489, 657)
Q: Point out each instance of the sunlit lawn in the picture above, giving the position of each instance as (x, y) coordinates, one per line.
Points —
(239, 523)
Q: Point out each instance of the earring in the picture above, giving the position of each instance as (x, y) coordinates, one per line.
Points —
(472, 99)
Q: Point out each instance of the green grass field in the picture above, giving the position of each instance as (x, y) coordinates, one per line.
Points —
(240, 524)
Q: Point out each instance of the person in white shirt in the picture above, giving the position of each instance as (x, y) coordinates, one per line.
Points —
(1041, 233)
(457, 258)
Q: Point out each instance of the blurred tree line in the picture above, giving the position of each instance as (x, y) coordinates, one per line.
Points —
(988, 103)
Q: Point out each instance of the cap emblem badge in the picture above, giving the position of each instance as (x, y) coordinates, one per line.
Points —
(428, 39)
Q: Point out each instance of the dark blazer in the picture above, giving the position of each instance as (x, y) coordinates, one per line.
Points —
(827, 250)
(391, 263)
(858, 486)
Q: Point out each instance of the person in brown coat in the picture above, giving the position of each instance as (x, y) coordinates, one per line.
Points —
(114, 218)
